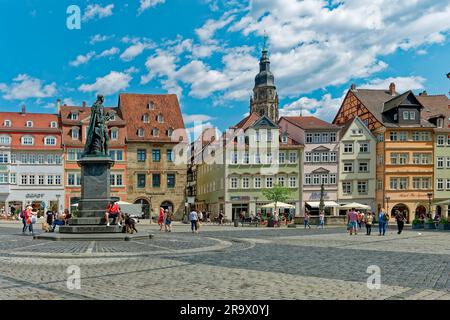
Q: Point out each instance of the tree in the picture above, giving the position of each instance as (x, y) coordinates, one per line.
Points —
(322, 196)
(277, 194)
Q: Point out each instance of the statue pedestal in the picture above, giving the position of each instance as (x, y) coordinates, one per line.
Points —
(95, 196)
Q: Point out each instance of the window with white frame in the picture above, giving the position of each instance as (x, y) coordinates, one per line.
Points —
(170, 132)
(4, 157)
(234, 158)
(58, 180)
(292, 182)
(257, 136)
(4, 178)
(257, 182)
(116, 179)
(393, 136)
(24, 179)
(246, 158)
(13, 158)
(333, 178)
(316, 157)
(53, 124)
(73, 116)
(380, 137)
(403, 183)
(29, 124)
(245, 183)
(13, 178)
(114, 134)
(324, 179)
(379, 184)
(333, 157)
(402, 136)
(74, 179)
(284, 139)
(412, 115)
(440, 123)
(269, 136)
(363, 167)
(269, 182)
(416, 136)
(27, 140)
(362, 187)
(7, 123)
(145, 118)
(292, 157)
(5, 140)
(348, 147)
(281, 181)
(348, 167)
(405, 115)
(440, 184)
(346, 187)
(50, 159)
(325, 137)
(32, 158)
(440, 162)
(257, 158)
(333, 137)
(50, 141)
(364, 147)
(426, 136)
(325, 156)
(233, 183)
(447, 184)
(308, 157)
(307, 179)
(316, 137)
(140, 132)
(316, 179)
(50, 180)
(23, 158)
(32, 179)
(155, 132)
(41, 180)
(75, 133)
(309, 138)
(160, 118)
(151, 106)
(440, 141)
(448, 163)
(269, 158)
(282, 157)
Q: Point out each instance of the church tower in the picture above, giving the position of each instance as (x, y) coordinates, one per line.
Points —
(265, 97)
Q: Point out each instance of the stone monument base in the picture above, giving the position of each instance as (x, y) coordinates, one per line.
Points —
(93, 236)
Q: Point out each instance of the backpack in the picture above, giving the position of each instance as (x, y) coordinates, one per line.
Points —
(22, 214)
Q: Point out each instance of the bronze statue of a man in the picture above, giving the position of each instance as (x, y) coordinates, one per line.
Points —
(97, 137)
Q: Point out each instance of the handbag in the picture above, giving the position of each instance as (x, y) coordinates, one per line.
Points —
(33, 219)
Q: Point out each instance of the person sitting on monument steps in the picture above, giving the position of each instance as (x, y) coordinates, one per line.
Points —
(113, 211)
(59, 221)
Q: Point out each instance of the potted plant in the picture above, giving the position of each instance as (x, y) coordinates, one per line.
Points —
(444, 224)
(417, 224)
(429, 224)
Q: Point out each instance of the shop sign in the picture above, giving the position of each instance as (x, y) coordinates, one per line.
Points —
(235, 198)
(34, 195)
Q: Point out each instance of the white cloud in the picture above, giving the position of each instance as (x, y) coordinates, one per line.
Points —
(99, 38)
(25, 87)
(402, 84)
(97, 11)
(82, 59)
(147, 4)
(134, 50)
(68, 102)
(206, 32)
(196, 118)
(109, 84)
(132, 70)
(109, 52)
(324, 108)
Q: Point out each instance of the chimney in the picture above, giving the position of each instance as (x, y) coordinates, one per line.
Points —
(24, 109)
(353, 87)
(392, 89)
(58, 105)
(84, 104)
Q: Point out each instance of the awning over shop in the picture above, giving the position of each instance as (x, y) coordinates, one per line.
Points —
(328, 204)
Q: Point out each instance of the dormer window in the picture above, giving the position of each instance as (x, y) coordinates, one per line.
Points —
(412, 115)
(7, 123)
(155, 132)
(53, 124)
(112, 117)
(284, 139)
(169, 132)
(140, 132)
(440, 122)
(395, 116)
(73, 116)
(29, 124)
(145, 118)
(27, 140)
(75, 133)
(151, 106)
(5, 140)
(160, 118)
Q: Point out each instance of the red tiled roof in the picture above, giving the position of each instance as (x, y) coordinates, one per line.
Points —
(134, 106)
(311, 123)
(247, 121)
(41, 121)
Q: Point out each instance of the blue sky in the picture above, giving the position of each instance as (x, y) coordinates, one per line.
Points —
(207, 52)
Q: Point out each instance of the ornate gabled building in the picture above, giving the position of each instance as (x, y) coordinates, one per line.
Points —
(405, 148)
(265, 97)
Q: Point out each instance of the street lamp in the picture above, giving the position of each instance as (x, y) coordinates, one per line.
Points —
(387, 204)
(430, 195)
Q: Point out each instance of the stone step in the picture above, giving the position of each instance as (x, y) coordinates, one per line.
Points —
(90, 229)
(89, 221)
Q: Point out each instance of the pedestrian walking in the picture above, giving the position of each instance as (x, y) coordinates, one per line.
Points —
(306, 219)
(368, 220)
(401, 219)
(352, 218)
(23, 216)
(168, 220)
(321, 220)
(193, 217)
(437, 219)
(382, 222)
(386, 220)
(200, 216)
(161, 218)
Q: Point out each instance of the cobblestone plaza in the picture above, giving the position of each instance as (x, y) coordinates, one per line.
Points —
(228, 263)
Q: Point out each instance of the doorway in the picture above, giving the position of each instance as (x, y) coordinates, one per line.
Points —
(401, 208)
(236, 210)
